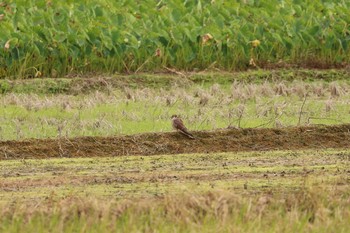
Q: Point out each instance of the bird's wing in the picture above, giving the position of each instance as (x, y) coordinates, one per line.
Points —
(179, 124)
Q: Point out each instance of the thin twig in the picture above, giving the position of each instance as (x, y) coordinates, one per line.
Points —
(138, 69)
(301, 109)
(267, 123)
(174, 71)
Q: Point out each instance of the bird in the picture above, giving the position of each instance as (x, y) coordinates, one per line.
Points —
(179, 125)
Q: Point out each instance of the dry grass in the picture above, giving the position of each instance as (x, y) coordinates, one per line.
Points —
(130, 111)
(280, 191)
(305, 210)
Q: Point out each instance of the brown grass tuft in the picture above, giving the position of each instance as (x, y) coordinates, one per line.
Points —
(204, 99)
(281, 89)
(215, 89)
(329, 104)
(335, 89)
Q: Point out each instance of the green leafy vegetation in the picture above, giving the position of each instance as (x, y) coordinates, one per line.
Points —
(54, 38)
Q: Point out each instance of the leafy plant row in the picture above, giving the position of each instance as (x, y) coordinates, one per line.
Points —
(54, 38)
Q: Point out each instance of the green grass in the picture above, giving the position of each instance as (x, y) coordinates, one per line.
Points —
(280, 191)
(214, 103)
(138, 176)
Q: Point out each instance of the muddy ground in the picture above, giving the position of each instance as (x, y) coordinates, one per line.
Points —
(222, 140)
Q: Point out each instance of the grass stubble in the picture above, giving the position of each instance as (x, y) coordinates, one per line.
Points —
(281, 191)
(117, 111)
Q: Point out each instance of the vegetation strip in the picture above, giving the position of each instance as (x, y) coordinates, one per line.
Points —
(313, 210)
(307, 210)
(128, 105)
(76, 85)
(51, 39)
(221, 140)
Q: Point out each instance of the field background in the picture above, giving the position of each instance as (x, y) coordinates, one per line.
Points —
(119, 105)
(51, 38)
(85, 78)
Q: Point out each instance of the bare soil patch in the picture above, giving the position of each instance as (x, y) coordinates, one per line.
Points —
(221, 140)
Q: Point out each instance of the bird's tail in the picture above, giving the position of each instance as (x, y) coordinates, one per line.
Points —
(188, 134)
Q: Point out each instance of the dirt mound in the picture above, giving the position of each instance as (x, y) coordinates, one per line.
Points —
(223, 140)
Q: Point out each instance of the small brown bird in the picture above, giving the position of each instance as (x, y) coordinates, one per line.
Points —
(179, 125)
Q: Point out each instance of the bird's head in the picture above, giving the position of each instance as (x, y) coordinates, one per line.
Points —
(174, 116)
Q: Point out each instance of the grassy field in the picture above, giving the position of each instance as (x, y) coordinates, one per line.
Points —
(261, 191)
(258, 99)
(282, 191)
(71, 69)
